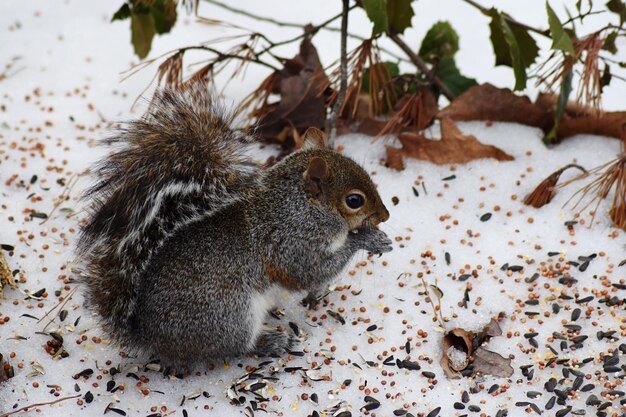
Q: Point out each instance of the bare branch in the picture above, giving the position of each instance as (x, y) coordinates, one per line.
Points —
(311, 30)
(221, 56)
(509, 19)
(343, 84)
(421, 65)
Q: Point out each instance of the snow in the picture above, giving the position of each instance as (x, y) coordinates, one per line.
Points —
(62, 93)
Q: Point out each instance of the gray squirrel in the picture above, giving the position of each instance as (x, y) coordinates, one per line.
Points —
(188, 244)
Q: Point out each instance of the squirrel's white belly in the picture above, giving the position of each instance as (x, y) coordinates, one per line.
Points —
(260, 304)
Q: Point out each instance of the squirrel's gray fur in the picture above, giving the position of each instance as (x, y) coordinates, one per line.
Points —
(187, 246)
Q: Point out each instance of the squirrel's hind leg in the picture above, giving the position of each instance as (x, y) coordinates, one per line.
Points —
(267, 342)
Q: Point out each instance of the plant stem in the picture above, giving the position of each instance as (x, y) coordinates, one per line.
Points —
(421, 65)
(343, 83)
(19, 410)
(509, 19)
(221, 56)
(324, 25)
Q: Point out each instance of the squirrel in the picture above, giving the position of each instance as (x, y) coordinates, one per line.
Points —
(188, 244)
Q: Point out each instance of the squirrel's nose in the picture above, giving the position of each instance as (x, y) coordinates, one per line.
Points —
(384, 216)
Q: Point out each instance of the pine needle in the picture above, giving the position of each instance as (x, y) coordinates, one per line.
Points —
(546, 190)
(610, 174)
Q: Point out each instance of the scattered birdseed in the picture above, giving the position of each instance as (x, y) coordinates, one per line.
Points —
(563, 319)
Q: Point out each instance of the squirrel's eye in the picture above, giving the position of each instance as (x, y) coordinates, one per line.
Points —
(355, 201)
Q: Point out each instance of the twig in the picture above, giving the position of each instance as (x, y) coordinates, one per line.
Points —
(221, 56)
(61, 304)
(257, 17)
(308, 31)
(313, 30)
(421, 65)
(509, 19)
(439, 317)
(26, 408)
(343, 84)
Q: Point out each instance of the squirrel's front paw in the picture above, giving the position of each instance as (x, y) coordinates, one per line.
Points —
(273, 343)
(311, 300)
(375, 241)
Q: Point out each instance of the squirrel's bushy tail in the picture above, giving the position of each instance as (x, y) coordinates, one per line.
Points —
(182, 160)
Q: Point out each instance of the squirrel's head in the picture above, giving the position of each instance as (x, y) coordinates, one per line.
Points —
(337, 181)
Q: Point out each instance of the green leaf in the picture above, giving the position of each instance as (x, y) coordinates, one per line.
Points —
(560, 39)
(500, 47)
(609, 43)
(516, 55)
(164, 14)
(122, 13)
(512, 45)
(142, 31)
(441, 40)
(561, 104)
(527, 45)
(452, 77)
(377, 13)
(606, 77)
(618, 7)
(399, 15)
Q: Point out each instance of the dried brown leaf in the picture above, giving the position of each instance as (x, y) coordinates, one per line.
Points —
(454, 147)
(6, 277)
(486, 102)
(302, 101)
(461, 340)
(414, 111)
(487, 362)
(491, 330)
(611, 124)
(580, 119)
(371, 126)
(484, 361)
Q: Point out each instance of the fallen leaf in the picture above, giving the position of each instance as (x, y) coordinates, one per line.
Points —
(487, 362)
(454, 147)
(6, 277)
(462, 347)
(580, 120)
(462, 341)
(486, 102)
(371, 126)
(301, 85)
(491, 330)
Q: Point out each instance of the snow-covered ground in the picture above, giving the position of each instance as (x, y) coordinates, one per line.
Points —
(63, 90)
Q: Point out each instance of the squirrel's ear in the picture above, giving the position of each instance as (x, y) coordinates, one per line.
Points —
(315, 176)
(314, 138)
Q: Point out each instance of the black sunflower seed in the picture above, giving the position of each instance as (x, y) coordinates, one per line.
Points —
(563, 411)
(465, 397)
(550, 385)
(434, 413)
